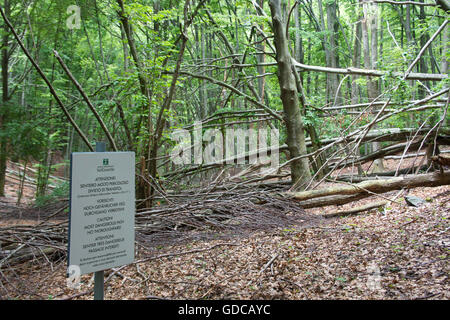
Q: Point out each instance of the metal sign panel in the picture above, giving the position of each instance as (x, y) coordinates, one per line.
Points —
(102, 210)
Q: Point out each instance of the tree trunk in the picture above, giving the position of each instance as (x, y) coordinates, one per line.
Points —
(299, 55)
(423, 67)
(329, 45)
(5, 98)
(289, 95)
(356, 59)
(444, 61)
(333, 29)
(370, 60)
(203, 92)
(142, 191)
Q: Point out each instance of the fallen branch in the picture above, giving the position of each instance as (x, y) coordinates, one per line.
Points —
(370, 73)
(377, 176)
(363, 208)
(30, 254)
(268, 264)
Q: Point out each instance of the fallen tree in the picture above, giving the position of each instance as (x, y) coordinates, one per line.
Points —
(345, 194)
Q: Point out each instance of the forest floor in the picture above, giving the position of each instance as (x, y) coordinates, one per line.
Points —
(398, 252)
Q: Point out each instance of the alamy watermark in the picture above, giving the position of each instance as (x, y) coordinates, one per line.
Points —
(228, 146)
(73, 277)
(373, 277)
(74, 20)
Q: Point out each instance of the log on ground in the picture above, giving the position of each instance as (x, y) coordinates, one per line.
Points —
(345, 194)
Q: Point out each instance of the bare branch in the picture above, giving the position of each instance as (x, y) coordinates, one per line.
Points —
(52, 90)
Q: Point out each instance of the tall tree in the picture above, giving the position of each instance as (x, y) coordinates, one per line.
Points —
(300, 172)
(5, 58)
(357, 56)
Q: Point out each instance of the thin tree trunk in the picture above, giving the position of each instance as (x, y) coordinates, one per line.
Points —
(5, 99)
(22, 182)
(203, 92)
(422, 65)
(100, 39)
(142, 191)
(333, 28)
(261, 58)
(161, 121)
(444, 61)
(332, 80)
(370, 58)
(356, 59)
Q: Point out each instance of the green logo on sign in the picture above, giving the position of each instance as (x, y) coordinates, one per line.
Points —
(105, 162)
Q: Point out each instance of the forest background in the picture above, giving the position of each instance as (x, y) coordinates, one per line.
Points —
(132, 72)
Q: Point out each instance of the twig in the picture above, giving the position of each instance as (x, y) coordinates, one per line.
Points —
(153, 298)
(265, 266)
(429, 295)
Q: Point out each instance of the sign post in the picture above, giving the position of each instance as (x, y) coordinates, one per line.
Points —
(99, 276)
(102, 211)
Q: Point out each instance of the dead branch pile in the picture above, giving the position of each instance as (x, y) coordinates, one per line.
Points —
(220, 215)
(187, 216)
(26, 242)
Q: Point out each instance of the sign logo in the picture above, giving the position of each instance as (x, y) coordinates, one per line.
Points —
(105, 162)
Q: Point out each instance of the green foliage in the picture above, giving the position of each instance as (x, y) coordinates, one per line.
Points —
(61, 191)
(99, 57)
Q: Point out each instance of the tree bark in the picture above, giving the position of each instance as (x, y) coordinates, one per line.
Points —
(329, 45)
(356, 59)
(444, 62)
(333, 29)
(289, 96)
(5, 98)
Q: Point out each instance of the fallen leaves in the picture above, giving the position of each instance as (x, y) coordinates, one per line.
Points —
(400, 253)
